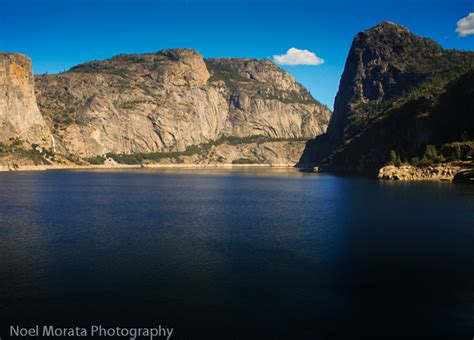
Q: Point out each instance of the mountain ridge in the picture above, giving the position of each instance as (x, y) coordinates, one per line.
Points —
(172, 101)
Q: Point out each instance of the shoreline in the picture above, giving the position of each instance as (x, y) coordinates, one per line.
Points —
(26, 168)
(437, 173)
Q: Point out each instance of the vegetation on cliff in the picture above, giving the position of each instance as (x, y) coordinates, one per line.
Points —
(17, 151)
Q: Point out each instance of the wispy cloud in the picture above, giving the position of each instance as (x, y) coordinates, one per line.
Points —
(466, 26)
(295, 56)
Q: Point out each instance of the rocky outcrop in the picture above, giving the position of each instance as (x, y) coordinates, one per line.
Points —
(20, 119)
(440, 172)
(383, 63)
(171, 100)
(398, 92)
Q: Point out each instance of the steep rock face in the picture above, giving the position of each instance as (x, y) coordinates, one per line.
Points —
(170, 100)
(20, 118)
(265, 100)
(383, 63)
(393, 95)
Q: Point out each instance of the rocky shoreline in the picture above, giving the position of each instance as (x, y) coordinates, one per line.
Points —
(439, 172)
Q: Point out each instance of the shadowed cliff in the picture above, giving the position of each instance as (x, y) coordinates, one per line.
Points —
(398, 92)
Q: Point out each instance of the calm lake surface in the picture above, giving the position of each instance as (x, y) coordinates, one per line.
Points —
(249, 253)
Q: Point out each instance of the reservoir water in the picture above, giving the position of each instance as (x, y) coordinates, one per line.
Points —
(237, 254)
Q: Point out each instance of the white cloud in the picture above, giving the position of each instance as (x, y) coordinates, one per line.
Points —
(466, 26)
(295, 56)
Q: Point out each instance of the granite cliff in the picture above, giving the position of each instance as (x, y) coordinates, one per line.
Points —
(25, 137)
(174, 104)
(402, 99)
(20, 119)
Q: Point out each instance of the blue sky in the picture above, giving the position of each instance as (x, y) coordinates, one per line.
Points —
(59, 34)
